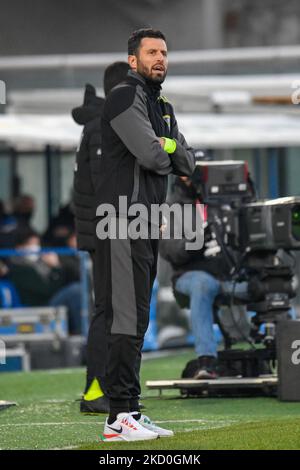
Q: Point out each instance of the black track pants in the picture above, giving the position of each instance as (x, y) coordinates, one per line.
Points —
(124, 274)
(96, 355)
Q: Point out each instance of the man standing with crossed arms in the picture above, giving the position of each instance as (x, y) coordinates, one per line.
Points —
(141, 146)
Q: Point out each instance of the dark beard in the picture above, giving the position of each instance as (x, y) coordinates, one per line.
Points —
(154, 88)
(151, 80)
(155, 80)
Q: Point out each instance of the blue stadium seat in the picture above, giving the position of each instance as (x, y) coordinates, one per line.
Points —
(9, 297)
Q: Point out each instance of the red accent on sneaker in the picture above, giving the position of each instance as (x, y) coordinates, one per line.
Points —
(125, 421)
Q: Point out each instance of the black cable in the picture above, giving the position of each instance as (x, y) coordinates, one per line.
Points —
(232, 268)
(230, 261)
(246, 338)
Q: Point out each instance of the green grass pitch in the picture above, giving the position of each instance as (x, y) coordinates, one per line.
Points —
(47, 415)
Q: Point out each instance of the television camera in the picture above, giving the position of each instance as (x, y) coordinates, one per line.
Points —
(257, 238)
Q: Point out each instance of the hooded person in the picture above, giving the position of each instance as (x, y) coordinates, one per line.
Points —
(86, 168)
(86, 173)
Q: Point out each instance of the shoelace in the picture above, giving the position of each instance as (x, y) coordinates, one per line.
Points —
(128, 422)
(145, 419)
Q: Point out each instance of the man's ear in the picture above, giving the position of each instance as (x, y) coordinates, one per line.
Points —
(132, 61)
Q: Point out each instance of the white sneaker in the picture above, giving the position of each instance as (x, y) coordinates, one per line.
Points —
(148, 424)
(126, 428)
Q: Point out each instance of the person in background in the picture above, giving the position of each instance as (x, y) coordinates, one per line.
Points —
(86, 174)
(8, 224)
(40, 278)
(23, 210)
(200, 276)
(60, 227)
(70, 264)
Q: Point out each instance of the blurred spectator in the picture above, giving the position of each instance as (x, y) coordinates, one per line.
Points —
(36, 277)
(8, 224)
(3, 269)
(23, 210)
(60, 227)
(70, 264)
(40, 279)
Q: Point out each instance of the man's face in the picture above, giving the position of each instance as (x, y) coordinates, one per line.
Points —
(151, 60)
(31, 243)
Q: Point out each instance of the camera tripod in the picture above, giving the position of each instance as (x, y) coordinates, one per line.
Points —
(270, 289)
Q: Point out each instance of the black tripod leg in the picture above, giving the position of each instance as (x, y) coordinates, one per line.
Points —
(227, 339)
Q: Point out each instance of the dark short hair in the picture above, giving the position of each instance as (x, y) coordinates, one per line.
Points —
(22, 234)
(114, 74)
(136, 37)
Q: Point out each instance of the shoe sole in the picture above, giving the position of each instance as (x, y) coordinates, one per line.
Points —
(123, 438)
(162, 435)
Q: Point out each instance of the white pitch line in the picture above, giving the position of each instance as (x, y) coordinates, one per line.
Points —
(206, 425)
(54, 401)
(72, 423)
(64, 448)
(77, 370)
(50, 424)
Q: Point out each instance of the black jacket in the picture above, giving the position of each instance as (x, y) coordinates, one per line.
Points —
(133, 163)
(87, 167)
(174, 250)
(35, 281)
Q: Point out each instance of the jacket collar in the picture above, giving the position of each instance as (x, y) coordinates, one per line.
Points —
(137, 76)
(152, 89)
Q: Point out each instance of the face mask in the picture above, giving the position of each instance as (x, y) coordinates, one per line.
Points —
(32, 253)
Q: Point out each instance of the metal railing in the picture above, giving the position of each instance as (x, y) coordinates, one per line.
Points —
(78, 61)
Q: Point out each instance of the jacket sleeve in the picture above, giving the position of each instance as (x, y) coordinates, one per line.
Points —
(126, 109)
(31, 284)
(175, 247)
(183, 159)
(174, 251)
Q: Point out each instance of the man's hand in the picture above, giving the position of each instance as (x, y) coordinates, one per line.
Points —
(51, 259)
(162, 142)
(164, 225)
(211, 248)
(168, 145)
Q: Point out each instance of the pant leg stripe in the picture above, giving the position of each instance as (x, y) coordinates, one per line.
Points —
(123, 290)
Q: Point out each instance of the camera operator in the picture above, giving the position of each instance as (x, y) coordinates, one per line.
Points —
(198, 276)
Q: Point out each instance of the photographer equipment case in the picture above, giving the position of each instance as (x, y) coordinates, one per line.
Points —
(288, 355)
(37, 338)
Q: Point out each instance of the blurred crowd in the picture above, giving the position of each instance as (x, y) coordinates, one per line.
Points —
(34, 278)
